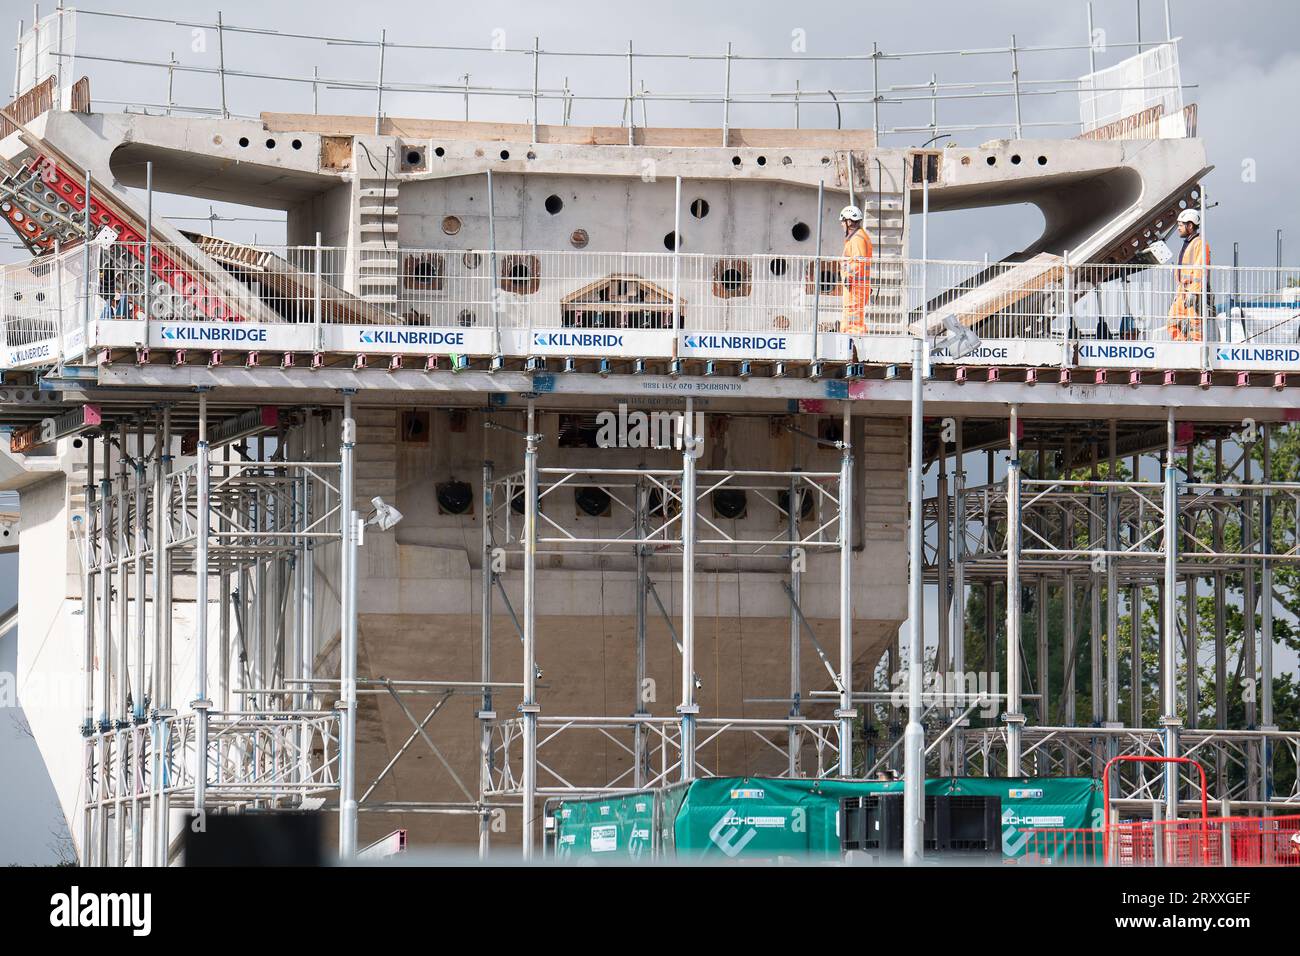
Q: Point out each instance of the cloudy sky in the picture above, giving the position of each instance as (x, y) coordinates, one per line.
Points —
(1240, 61)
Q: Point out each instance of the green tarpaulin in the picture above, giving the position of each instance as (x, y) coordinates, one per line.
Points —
(770, 818)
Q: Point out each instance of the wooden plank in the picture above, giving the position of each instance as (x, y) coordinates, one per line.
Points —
(569, 135)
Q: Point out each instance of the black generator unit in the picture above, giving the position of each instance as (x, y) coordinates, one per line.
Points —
(872, 824)
(965, 826)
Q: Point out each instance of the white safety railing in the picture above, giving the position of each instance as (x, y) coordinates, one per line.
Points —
(714, 301)
(42, 307)
(224, 69)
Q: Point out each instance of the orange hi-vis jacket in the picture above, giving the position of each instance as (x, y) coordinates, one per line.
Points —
(1189, 296)
(855, 273)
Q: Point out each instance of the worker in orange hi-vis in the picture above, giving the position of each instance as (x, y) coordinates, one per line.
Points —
(1186, 315)
(855, 270)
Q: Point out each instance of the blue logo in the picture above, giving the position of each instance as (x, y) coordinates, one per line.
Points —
(737, 343)
(214, 333)
(1289, 356)
(583, 340)
(428, 337)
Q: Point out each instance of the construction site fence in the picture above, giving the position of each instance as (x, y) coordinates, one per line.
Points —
(1216, 841)
(744, 302)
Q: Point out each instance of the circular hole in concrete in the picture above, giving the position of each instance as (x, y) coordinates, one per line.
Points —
(296, 144)
(1015, 159)
(554, 204)
(270, 144)
(762, 160)
(778, 267)
(505, 154)
(451, 225)
(670, 241)
(414, 157)
(735, 160)
(700, 208)
(243, 141)
(800, 231)
(992, 160)
(1042, 160)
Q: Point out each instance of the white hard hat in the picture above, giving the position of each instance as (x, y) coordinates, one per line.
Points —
(1190, 215)
(851, 213)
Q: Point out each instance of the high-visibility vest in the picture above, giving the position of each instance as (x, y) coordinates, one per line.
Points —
(856, 268)
(1192, 260)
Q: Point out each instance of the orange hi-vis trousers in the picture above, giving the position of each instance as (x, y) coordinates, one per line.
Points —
(1185, 319)
(855, 274)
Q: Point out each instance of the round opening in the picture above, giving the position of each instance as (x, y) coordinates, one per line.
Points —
(762, 160)
(454, 497)
(505, 154)
(270, 144)
(729, 502)
(471, 260)
(554, 204)
(800, 231)
(439, 151)
(805, 503)
(785, 160)
(243, 141)
(451, 225)
(1042, 160)
(670, 242)
(465, 319)
(1015, 159)
(778, 267)
(731, 280)
(592, 501)
(700, 208)
(735, 160)
(992, 160)
(413, 157)
(579, 239)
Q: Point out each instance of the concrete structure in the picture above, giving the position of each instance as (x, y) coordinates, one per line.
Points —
(204, 433)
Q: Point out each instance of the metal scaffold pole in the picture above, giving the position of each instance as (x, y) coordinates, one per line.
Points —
(1168, 676)
(846, 712)
(201, 703)
(639, 676)
(106, 644)
(689, 707)
(957, 632)
(1015, 720)
(88, 631)
(914, 734)
(138, 708)
(529, 708)
(348, 644)
(1112, 588)
(162, 631)
(485, 714)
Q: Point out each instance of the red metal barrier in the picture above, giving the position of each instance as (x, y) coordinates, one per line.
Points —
(1105, 789)
(1229, 841)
